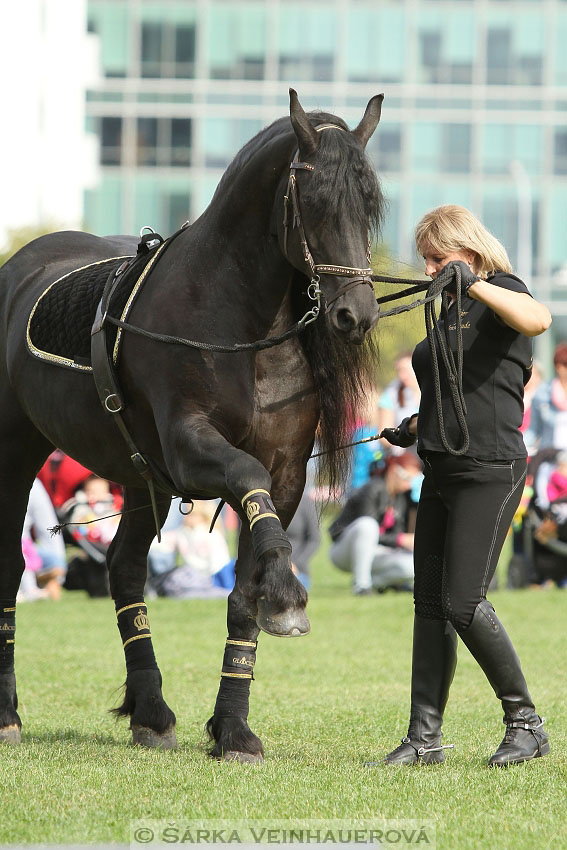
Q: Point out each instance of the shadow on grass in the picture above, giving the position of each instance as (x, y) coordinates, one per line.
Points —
(54, 736)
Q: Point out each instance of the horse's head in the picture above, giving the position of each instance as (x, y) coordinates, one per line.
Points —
(333, 202)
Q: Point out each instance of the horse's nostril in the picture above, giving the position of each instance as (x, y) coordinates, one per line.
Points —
(345, 320)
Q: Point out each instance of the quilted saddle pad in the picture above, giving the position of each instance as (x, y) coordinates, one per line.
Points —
(59, 326)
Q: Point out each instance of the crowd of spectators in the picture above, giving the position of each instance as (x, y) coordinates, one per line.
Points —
(540, 528)
(71, 519)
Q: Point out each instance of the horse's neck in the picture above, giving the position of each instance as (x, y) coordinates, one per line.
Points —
(234, 239)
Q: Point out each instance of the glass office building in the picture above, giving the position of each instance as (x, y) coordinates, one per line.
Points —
(475, 108)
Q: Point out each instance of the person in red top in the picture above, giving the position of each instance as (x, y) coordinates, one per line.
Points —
(62, 476)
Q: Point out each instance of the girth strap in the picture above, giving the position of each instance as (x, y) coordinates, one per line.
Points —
(105, 378)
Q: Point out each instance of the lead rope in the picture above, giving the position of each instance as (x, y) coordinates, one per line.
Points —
(433, 332)
(454, 372)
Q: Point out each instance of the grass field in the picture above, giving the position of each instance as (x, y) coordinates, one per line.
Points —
(322, 705)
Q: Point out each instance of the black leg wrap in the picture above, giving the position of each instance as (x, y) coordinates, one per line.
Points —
(267, 531)
(10, 723)
(7, 634)
(269, 534)
(134, 629)
(228, 727)
(143, 700)
(233, 698)
(239, 660)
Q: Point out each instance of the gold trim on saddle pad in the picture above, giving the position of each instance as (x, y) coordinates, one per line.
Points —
(126, 310)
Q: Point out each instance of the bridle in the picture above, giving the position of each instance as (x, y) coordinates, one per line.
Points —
(357, 276)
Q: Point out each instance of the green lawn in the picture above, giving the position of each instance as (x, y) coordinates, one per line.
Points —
(322, 705)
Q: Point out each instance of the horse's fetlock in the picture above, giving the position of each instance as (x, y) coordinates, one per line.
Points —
(144, 703)
(232, 735)
(281, 588)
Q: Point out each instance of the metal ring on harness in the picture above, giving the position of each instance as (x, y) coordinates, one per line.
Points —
(113, 409)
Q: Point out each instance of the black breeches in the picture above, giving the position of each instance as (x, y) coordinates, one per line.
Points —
(465, 510)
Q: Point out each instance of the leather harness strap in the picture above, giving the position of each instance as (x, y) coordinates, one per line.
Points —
(358, 275)
(104, 373)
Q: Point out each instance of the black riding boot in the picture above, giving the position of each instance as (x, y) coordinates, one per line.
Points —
(433, 666)
(491, 647)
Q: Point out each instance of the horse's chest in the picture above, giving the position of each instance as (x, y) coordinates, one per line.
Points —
(284, 385)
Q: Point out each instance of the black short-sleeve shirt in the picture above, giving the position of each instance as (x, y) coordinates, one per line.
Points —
(497, 364)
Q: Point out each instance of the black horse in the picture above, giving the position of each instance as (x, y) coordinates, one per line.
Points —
(211, 424)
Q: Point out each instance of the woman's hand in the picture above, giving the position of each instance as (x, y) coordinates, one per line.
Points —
(404, 435)
(468, 277)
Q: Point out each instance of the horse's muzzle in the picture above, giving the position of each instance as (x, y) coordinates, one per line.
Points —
(352, 327)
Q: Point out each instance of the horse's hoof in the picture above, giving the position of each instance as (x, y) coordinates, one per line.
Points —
(243, 758)
(11, 734)
(146, 737)
(290, 623)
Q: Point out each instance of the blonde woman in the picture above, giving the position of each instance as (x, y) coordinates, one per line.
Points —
(467, 501)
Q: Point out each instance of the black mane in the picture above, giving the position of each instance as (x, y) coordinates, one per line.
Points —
(344, 183)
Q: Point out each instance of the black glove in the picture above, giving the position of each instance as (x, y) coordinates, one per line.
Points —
(400, 436)
(467, 277)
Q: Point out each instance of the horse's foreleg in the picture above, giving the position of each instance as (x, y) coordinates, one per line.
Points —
(151, 720)
(228, 727)
(245, 483)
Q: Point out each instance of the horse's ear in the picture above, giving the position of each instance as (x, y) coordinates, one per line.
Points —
(307, 136)
(370, 120)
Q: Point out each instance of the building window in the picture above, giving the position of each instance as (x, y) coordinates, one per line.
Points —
(385, 148)
(560, 64)
(237, 41)
(164, 142)
(307, 37)
(376, 45)
(111, 141)
(176, 210)
(441, 147)
(185, 51)
(500, 215)
(514, 50)
(446, 46)
(456, 148)
(146, 141)
(560, 151)
(502, 143)
(180, 142)
(223, 138)
(110, 22)
(168, 50)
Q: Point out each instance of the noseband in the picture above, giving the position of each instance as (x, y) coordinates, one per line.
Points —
(357, 276)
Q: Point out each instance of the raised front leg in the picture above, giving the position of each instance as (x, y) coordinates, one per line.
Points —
(202, 461)
(151, 720)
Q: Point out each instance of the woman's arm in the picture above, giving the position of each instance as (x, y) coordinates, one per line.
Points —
(518, 310)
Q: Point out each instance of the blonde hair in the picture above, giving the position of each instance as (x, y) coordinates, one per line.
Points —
(449, 229)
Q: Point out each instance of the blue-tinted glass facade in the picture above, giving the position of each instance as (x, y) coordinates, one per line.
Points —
(475, 108)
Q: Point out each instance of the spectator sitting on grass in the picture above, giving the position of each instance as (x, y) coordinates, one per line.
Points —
(190, 562)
